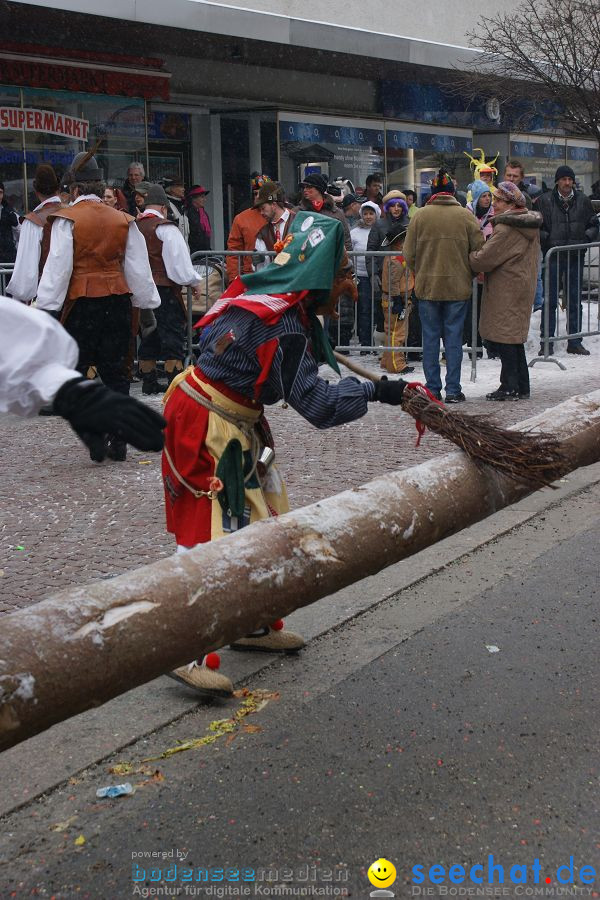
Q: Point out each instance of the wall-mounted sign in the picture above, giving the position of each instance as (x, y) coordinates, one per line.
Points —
(15, 119)
(85, 77)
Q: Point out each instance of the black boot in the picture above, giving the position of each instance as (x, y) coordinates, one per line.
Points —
(151, 384)
(117, 449)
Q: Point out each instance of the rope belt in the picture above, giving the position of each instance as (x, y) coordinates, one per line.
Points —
(245, 426)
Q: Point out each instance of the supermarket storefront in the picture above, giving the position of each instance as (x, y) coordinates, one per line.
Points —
(49, 111)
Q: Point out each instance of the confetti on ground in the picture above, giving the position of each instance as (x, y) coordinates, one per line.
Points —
(252, 702)
(156, 777)
(491, 648)
(129, 769)
(62, 826)
(80, 841)
(19, 547)
(1, 573)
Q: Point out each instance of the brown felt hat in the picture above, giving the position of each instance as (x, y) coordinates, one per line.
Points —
(269, 192)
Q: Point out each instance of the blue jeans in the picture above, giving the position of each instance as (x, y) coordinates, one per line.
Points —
(568, 266)
(442, 319)
(364, 312)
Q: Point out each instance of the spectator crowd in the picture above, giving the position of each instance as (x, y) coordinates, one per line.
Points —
(414, 265)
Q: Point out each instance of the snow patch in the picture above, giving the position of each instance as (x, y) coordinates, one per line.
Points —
(25, 689)
(408, 533)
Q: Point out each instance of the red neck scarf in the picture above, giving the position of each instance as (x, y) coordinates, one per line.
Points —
(318, 204)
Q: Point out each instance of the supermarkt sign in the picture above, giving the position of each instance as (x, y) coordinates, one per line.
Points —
(14, 119)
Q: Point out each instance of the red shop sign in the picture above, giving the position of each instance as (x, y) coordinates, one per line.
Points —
(89, 79)
(43, 120)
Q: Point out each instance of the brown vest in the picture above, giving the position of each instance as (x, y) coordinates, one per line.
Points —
(148, 225)
(267, 232)
(99, 241)
(41, 218)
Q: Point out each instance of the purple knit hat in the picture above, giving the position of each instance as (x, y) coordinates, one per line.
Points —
(387, 206)
(508, 191)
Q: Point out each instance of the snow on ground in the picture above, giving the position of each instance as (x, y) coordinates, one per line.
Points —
(578, 369)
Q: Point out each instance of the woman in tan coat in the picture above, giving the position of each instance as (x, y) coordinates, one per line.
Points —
(509, 262)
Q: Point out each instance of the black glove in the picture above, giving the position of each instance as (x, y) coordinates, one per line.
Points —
(147, 322)
(390, 391)
(398, 306)
(94, 411)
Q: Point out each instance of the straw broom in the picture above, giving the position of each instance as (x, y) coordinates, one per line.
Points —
(524, 456)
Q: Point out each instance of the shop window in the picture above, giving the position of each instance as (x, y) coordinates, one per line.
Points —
(337, 148)
(540, 159)
(11, 148)
(56, 125)
(414, 157)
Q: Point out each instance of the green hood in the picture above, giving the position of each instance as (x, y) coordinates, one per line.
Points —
(308, 263)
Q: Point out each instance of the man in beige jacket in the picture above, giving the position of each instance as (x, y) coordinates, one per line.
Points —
(437, 249)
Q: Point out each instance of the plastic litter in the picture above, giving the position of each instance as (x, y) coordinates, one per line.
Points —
(114, 790)
(80, 841)
(491, 648)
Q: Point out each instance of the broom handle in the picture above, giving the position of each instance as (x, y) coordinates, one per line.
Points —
(354, 367)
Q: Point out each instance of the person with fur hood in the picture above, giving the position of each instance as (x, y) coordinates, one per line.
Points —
(509, 261)
(359, 235)
(480, 205)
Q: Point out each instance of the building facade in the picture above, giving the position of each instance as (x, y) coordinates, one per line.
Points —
(213, 93)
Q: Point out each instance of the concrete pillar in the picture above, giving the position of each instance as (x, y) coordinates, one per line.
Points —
(207, 169)
(254, 142)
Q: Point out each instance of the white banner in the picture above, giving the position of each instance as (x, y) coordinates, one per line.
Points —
(15, 119)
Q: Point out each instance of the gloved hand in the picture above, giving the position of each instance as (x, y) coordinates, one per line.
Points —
(398, 305)
(94, 411)
(147, 322)
(390, 391)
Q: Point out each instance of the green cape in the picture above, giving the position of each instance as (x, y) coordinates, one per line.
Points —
(308, 263)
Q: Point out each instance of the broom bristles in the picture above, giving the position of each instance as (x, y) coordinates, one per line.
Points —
(522, 456)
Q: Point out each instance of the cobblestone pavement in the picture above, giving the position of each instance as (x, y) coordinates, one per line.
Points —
(65, 520)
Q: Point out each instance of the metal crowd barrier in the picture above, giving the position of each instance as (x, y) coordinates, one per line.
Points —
(570, 284)
(6, 270)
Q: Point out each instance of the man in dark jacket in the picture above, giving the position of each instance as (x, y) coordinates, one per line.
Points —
(135, 174)
(316, 199)
(569, 218)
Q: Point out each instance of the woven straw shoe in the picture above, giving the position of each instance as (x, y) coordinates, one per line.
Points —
(204, 677)
(271, 639)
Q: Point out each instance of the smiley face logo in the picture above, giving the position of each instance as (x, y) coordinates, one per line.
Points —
(381, 873)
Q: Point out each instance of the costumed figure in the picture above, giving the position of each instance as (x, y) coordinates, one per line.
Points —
(260, 344)
(482, 170)
(98, 268)
(34, 237)
(270, 202)
(171, 268)
(397, 283)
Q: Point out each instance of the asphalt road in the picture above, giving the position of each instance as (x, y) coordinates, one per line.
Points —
(402, 734)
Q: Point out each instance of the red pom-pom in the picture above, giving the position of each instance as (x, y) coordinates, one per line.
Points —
(278, 625)
(212, 660)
